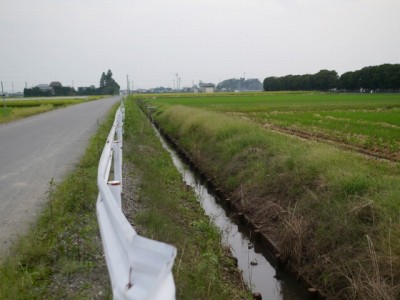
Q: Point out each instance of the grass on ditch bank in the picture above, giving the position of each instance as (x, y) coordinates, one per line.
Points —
(334, 214)
(62, 257)
(169, 212)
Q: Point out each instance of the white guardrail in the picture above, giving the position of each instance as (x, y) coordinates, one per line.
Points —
(139, 268)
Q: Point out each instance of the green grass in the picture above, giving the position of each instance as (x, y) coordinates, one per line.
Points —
(171, 213)
(335, 214)
(62, 254)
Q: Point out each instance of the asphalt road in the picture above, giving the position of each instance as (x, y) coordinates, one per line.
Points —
(35, 150)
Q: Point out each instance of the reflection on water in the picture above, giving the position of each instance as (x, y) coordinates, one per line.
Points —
(257, 272)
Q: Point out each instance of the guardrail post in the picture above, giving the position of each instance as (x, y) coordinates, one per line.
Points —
(117, 161)
(119, 128)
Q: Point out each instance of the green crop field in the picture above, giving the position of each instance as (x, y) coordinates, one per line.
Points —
(15, 109)
(369, 122)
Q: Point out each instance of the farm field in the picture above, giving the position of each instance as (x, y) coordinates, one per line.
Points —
(333, 212)
(369, 123)
(20, 108)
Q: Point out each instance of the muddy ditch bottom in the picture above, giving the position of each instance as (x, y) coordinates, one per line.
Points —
(252, 258)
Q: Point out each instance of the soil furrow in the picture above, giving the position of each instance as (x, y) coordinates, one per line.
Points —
(319, 137)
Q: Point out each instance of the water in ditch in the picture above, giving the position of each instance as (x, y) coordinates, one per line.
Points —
(257, 272)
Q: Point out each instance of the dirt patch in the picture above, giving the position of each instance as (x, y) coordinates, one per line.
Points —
(85, 278)
(130, 194)
(93, 285)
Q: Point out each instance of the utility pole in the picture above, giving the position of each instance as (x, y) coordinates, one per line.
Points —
(4, 96)
(127, 84)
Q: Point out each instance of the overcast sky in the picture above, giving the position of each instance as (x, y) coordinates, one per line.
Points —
(74, 41)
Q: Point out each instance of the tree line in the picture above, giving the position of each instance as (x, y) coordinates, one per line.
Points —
(54, 91)
(240, 84)
(108, 86)
(382, 78)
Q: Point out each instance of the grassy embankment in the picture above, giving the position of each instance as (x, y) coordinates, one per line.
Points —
(333, 213)
(61, 256)
(18, 109)
(170, 212)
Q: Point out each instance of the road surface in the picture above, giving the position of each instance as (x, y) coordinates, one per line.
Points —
(35, 150)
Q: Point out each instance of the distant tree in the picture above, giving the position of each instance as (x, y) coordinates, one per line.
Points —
(252, 84)
(108, 86)
(87, 91)
(109, 77)
(347, 81)
(64, 91)
(37, 92)
(271, 84)
(241, 84)
(382, 78)
(103, 80)
(325, 80)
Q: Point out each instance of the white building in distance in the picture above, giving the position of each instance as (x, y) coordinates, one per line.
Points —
(206, 87)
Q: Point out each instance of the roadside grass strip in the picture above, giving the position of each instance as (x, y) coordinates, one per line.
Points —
(61, 257)
(168, 211)
(334, 214)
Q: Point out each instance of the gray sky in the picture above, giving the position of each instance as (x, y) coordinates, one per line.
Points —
(208, 40)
